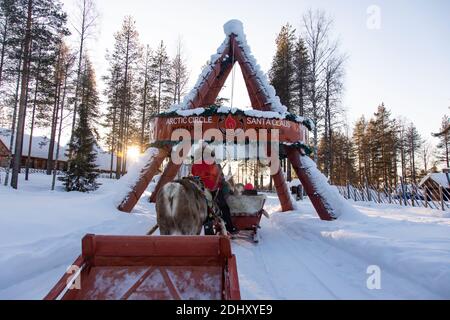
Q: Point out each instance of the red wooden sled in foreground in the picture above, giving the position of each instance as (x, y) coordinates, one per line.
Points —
(155, 268)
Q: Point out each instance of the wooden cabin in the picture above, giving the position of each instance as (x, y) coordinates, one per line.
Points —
(38, 155)
(4, 154)
(433, 182)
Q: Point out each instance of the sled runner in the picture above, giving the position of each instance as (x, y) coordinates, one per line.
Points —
(151, 268)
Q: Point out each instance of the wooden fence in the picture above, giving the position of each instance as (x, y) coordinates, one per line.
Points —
(102, 175)
(411, 195)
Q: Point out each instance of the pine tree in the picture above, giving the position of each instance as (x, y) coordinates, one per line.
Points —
(343, 158)
(59, 84)
(12, 72)
(333, 87)
(301, 65)
(361, 149)
(111, 119)
(22, 101)
(67, 63)
(281, 73)
(402, 146)
(7, 19)
(146, 94)
(13, 16)
(35, 28)
(382, 142)
(162, 69)
(414, 145)
(123, 92)
(87, 16)
(81, 175)
(376, 146)
(443, 146)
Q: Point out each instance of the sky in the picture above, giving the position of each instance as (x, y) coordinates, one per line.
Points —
(398, 50)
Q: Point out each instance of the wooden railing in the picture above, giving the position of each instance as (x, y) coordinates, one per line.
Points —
(411, 195)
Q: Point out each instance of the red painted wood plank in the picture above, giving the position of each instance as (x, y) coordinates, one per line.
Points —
(138, 283)
(156, 246)
(101, 261)
(173, 290)
(234, 292)
(61, 285)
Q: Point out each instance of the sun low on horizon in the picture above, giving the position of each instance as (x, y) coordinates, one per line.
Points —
(134, 152)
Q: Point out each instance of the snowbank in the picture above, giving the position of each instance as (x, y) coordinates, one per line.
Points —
(410, 242)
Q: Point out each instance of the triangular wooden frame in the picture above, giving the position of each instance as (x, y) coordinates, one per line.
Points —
(204, 94)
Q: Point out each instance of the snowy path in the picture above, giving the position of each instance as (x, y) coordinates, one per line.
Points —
(294, 262)
(298, 257)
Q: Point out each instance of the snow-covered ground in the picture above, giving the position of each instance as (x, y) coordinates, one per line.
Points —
(299, 256)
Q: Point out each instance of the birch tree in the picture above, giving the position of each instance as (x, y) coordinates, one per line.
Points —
(317, 29)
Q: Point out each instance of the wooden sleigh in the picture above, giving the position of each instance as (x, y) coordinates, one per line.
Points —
(246, 212)
(151, 268)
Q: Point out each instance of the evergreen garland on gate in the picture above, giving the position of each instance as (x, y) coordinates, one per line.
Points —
(213, 111)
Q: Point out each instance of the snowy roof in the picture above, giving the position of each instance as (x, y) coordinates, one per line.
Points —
(39, 145)
(235, 28)
(39, 149)
(440, 178)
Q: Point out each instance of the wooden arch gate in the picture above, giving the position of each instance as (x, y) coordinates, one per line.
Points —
(204, 95)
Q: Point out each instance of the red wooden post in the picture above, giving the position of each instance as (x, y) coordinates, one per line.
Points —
(317, 201)
(168, 175)
(146, 177)
(283, 191)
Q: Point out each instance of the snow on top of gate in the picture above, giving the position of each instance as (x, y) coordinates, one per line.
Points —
(233, 110)
(235, 27)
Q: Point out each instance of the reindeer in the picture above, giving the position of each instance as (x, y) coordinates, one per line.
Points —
(182, 208)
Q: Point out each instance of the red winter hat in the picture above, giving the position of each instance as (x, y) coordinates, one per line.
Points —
(248, 187)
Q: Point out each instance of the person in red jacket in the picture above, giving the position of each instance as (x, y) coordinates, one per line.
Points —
(212, 177)
(210, 174)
